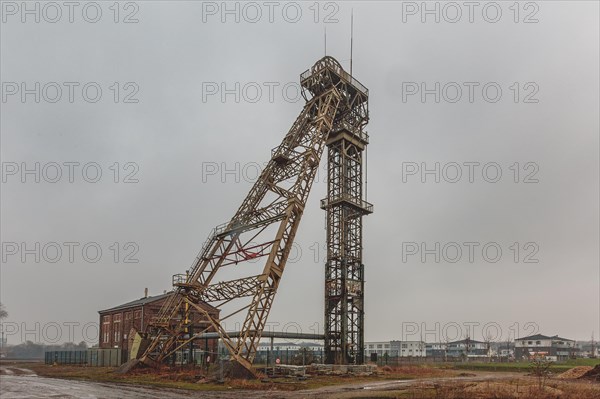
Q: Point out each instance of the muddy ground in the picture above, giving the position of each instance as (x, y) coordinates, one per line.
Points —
(20, 382)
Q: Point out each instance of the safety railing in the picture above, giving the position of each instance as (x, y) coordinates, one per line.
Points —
(344, 125)
(179, 279)
(359, 203)
(206, 246)
(341, 73)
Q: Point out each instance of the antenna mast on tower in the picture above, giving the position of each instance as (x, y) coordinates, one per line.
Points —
(351, 37)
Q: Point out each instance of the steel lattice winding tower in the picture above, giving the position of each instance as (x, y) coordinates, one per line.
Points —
(264, 227)
(345, 207)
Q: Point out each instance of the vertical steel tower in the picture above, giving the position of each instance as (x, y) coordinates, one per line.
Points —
(345, 207)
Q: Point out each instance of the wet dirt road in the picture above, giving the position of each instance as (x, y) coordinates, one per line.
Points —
(15, 384)
(21, 384)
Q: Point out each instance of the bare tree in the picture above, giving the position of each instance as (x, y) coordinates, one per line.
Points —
(540, 368)
(467, 346)
(488, 345)
(446, 345)
(3, 315)
(3, 312)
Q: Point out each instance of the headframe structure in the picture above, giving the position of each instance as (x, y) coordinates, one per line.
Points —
(264, 227)
(345, 207)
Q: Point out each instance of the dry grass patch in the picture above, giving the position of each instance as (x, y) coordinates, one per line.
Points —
(574, 373)
(518, 390)
(414, 372)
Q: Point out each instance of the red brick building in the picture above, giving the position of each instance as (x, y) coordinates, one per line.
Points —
(119, 324)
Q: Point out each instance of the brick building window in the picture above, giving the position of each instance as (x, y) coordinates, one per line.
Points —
(117, 328)
(105, 329)
(105, 333)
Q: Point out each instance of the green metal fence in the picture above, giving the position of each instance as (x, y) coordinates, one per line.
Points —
(91, 357)
(106, 357)
(66, 357)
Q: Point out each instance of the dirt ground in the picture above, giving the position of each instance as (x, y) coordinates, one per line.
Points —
(19, 381)
(574, 373)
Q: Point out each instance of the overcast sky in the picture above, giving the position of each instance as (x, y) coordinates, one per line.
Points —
(186, 157)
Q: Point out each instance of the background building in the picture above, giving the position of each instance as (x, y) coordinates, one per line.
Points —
(543, 345)
(466, 348)
(378, 347)
(395, 349)
(408, 348)
(587, 349)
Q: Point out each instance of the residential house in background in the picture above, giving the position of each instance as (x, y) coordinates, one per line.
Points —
(553, 347)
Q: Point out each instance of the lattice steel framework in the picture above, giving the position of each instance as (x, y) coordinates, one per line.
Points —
(263, 227)
(345, 207)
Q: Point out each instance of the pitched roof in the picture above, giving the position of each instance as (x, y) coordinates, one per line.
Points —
(144, 301)
(138, 302)
(533, 337)
(540, 336)
(563, 339)
(464, 341)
